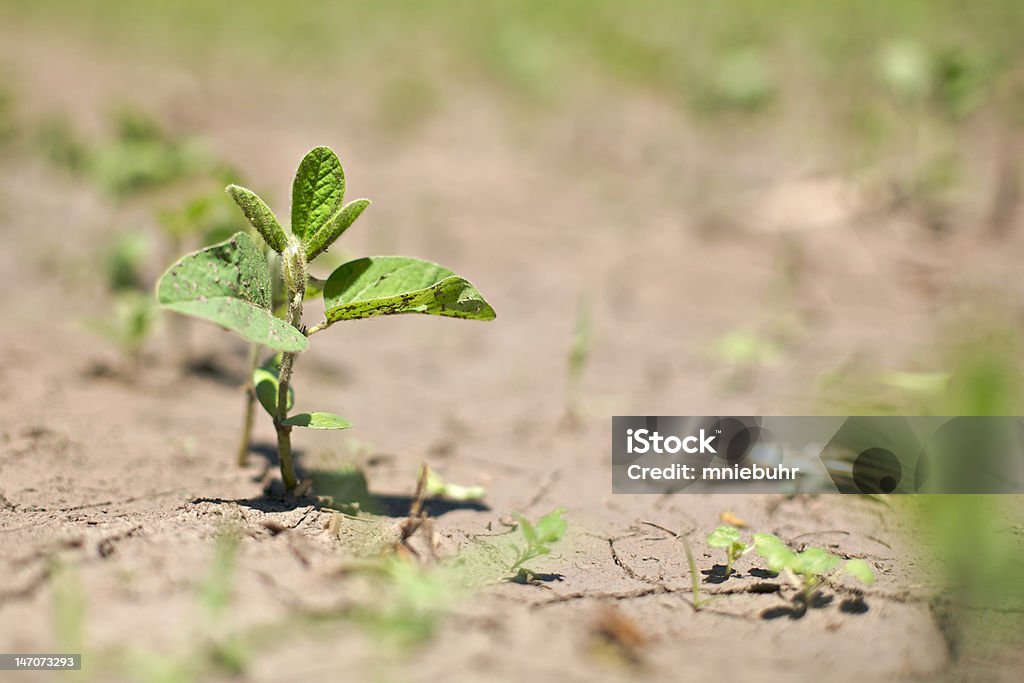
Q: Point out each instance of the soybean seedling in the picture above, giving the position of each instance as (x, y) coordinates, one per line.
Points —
(537, 538)
(230, 284)
(808, 569)
(727, 537)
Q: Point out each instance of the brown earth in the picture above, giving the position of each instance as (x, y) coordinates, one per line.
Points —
(130, 480)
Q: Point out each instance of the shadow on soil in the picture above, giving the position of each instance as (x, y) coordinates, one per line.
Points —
(797, 611)
(344, 488)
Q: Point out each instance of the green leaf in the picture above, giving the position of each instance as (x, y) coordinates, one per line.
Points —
(389, 285)
(860, 570)
(319, 242)
(437, 487)
(261, 217)
(528, 531)
(265, 379)
(814, 562)
(551, 526)
(318, 421)
(724, 537)
(317, 191)
(229, 284)
(314, 288)
(777, 555)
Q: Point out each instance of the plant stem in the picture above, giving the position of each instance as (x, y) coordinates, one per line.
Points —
(694, 577)
(319, 327)
(245, 439)
(294, 268)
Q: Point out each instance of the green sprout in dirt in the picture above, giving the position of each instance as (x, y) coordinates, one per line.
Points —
(133, 316)
(230, 284)
(579, 355)
(435, 486)
(808, 569)
(727, 537)
(537, 538)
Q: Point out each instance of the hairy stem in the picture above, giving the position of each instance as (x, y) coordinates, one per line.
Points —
(249, 411)
(294, 269)
(319, 327)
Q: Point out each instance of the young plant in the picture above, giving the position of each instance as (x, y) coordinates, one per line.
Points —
(435, 486)
(808, 569)
(229, 283)
(727, 537)
(579, 355)
(691, 563)
(537, 538)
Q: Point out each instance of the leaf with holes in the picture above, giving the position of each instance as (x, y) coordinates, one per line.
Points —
(390, 285)
(229, 284)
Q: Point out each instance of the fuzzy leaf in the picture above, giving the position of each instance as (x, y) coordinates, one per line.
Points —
(389, 285)
(860, 570)
(317, 191)
(265, 379)
(319, 242)
(318, 421)
(228, 284)
(261, 217)
(724, 537)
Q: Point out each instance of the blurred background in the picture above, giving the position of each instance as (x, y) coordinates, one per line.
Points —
(680, 208)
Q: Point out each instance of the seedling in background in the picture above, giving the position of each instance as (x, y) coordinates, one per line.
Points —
(579, 355)
(808, 569)
(436, 487)
(130, 321)
(537, 539)
(230, 284)
(727, 537)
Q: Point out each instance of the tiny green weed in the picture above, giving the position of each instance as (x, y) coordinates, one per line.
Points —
(727, 537)
(537, 538)
(808, 569)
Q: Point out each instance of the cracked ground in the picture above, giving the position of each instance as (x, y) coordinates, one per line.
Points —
(116, 487)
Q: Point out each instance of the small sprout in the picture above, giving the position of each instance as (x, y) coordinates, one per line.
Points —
(233, 284)
(691, 563)
(579, 355)
(727, 537)
(537, 538)
(436, 487)
(129, 323)
(810, 568)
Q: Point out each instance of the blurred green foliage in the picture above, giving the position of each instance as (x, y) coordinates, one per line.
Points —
(971, 543)
(8, 127)
(734, 52)
(140, 155)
